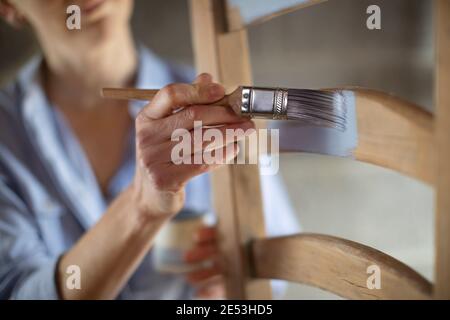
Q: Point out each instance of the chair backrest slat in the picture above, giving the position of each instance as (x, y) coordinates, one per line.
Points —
(395, 134)
(340, 266)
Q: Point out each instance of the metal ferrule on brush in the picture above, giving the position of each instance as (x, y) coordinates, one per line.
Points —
(266, 103)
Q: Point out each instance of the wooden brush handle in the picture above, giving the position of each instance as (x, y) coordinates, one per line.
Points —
(129, 93)
(232, 100)
(148, 94)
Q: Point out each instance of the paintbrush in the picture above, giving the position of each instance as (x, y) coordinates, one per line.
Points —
(326, 108)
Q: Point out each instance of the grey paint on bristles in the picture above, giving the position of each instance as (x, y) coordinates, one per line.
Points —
(325, 108)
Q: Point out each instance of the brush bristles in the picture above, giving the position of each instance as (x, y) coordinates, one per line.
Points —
(318, 107)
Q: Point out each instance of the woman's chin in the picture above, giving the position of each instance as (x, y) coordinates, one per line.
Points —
(100, 27)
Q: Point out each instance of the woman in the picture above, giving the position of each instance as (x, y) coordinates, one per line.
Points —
(89, 182)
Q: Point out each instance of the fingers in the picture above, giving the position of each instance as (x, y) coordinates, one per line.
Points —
(171, 177)
(174, 96)
(198, 276)
(201, 253)
(206, 249)
(162, 129)
(173, 114)
(206, 234)
(180, 150)
(212, 289)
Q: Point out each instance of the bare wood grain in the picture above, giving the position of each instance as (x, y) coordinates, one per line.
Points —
(247, 221)
(241, 218)
(207, 22)
(336, 265)
(395, 134)
(442, 27)
(129, 93)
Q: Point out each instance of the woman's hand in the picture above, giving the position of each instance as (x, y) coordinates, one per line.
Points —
(158, 187)
(208, 281)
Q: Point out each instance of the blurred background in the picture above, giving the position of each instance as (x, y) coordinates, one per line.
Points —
(327, 45)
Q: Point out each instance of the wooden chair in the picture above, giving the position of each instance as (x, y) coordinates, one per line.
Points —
(333, 264)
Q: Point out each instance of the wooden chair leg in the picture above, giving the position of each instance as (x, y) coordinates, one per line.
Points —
(237, 193)
(442, 27)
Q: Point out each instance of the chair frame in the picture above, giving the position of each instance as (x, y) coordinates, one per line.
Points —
(333, 264)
